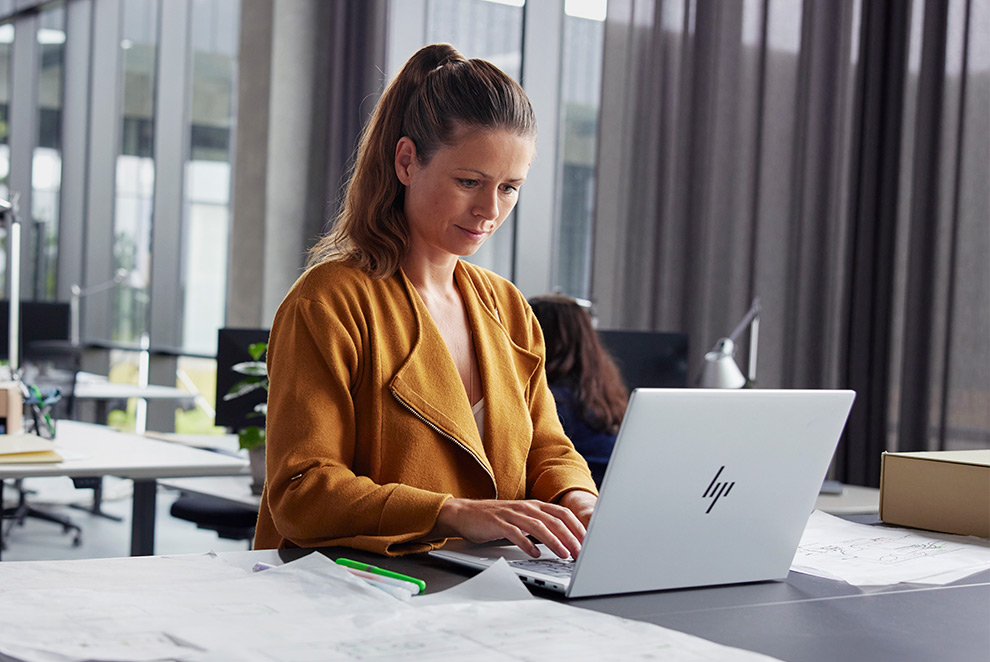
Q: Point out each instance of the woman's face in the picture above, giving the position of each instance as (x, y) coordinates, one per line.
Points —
(465, 192)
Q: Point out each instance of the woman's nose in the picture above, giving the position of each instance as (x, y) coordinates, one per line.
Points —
(486, 205)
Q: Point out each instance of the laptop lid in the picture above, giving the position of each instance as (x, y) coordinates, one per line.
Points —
(706, 487)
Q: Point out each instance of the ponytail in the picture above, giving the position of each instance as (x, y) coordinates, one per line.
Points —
(436, 91)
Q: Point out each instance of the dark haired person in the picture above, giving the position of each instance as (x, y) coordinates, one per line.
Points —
(408, 401)
(591, 398)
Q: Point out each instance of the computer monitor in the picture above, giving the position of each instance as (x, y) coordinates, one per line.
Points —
(41, 321)
(650, 359)
(232, 348)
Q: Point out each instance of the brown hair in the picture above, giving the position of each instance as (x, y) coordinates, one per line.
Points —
(576, 358)
(437, 92)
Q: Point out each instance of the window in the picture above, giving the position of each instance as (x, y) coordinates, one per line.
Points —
(46, 179)
(135, 168)
(581, 81)
(213, 98)
(492, 31)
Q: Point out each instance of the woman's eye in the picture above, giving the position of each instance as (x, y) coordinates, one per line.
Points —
(508, 189)
(469, 183)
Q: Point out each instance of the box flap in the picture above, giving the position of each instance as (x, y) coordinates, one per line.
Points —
(980, 457)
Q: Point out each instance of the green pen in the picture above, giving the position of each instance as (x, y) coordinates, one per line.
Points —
(375, 570)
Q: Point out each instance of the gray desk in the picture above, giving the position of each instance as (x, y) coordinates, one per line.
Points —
(96, 450)
(237, 490)
(802, 619)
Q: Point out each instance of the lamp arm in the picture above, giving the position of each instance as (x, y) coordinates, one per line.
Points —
(117, 279)
(754, 341)
(78, 293)
(752, 314)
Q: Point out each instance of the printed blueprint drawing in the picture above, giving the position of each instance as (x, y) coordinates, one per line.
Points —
(867, 555)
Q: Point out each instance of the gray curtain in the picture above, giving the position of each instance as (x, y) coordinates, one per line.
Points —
(830, 158)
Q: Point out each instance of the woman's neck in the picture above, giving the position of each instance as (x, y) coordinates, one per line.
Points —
(431, 277)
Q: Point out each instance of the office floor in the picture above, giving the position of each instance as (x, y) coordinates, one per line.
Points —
(39, 540)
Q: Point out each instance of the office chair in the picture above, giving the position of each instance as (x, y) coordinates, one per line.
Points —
(55, 366)
(230, 521)
(17, 514)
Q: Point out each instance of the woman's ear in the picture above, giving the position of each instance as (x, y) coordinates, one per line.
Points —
(405, 159)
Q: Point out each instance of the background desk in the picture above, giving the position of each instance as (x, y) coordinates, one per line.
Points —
(801, 619)
(102, 451)
(102, 392)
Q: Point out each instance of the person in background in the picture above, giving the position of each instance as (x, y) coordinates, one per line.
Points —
(586, 384)
(407, 401)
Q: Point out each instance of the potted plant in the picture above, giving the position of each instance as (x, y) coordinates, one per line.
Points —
(252, 437)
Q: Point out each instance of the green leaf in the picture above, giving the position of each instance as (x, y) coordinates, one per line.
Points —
(251, 437)
(256, 349)
(254, 368)
(244, 387)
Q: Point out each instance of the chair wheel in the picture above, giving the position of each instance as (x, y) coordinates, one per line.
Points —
(77, 541)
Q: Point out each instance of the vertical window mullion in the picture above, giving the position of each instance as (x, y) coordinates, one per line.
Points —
(171, 141)
(23, 134)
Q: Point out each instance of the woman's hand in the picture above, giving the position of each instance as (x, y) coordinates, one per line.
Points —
(484, 520)
(581, 503)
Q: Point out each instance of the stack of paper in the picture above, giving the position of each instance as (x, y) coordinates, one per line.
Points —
(196, 609)
(26, 448)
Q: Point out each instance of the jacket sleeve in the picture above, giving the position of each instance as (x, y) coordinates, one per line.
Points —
(318, 353)
(553, 466)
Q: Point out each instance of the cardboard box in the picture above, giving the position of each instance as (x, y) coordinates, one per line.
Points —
(11, 407)
(947, 491)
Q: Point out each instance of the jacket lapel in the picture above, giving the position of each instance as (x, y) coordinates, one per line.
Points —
(506, 370)
(428, 385)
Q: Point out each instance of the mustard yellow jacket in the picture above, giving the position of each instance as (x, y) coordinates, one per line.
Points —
(369, 428)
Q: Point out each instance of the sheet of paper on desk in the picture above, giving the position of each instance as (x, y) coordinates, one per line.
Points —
(201, 608)
(865, 555)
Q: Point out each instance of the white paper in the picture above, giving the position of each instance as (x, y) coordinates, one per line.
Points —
(497, 582)
(865, 555)
(204, 608)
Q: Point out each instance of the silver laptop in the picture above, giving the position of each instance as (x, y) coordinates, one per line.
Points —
(704, 487)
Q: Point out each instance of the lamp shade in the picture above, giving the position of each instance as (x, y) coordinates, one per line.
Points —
(720, 369)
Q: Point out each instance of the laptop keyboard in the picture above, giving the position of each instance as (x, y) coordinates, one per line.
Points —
(554, 567)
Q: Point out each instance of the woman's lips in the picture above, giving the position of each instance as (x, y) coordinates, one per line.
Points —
(474, 234)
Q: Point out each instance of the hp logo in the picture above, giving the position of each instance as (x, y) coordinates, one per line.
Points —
(717, 489)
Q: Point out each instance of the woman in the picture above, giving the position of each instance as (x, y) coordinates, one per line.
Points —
(408, 401)
(591, 398)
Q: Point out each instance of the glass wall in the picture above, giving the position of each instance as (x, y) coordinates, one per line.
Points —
(493, 31)
(208, 177)
(580, 92)
(135, 177)
(496, 30)
(46, 177)
(213, 99)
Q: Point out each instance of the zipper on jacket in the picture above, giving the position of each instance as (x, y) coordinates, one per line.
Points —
(445, 435)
